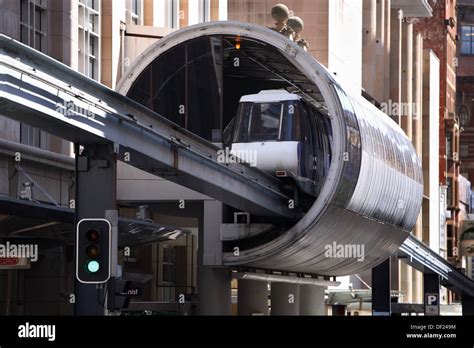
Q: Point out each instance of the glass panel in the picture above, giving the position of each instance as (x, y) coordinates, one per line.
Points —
(38, 38)
(290, 128)
(265, 121)
(92, 22)
(204, 85)
(92, 46)
(24, 34)
(31, 43)
(92, 68)
(38, 18)
(24, 11)
(465, 47)
(168, 88)
(466, 32)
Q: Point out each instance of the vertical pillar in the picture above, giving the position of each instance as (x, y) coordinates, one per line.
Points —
(285, 299)
(407, 79)
(467, 303)
(214, 281)
(380, 52)
(252, 298)
(387, 50)
(369, 31)
(431, 286)
(381, 289)
(312, 300)
(338, 310)
(95, 194)
(214, 293)
(396, 60)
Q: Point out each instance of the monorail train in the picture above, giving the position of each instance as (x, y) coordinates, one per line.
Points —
(289, 137)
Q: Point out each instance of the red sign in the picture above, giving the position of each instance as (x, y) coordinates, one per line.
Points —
(8, 261)
(14, 263)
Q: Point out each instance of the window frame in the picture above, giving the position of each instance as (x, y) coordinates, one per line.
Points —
(470, 40)
(30, 24)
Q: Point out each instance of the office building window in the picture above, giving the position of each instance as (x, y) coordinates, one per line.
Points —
(204, 10)
(136, 12)
(33, 24)
(449, 145)
(89, 38)
(467, 39)
(449, 191)
(33, 29)
(464, 150)
(173, 14)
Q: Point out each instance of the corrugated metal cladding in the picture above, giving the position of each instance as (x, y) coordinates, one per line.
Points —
(373, 192)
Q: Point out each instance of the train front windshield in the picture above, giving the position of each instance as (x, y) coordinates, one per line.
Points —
(275, 121)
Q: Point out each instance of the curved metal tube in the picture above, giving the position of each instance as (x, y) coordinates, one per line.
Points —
(372, 194)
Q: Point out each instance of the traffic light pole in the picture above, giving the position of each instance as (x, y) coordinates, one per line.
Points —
(95, 194)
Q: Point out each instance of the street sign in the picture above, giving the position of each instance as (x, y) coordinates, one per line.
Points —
(15, 263)
(431, 304)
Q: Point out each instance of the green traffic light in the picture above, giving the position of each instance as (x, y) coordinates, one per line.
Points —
(93, 266)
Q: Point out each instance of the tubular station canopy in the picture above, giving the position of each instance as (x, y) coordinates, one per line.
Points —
(372, 194)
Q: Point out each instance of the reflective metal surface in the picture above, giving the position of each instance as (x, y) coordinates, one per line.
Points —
(372, 194)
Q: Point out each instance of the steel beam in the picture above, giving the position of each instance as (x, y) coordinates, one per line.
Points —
(42, 92)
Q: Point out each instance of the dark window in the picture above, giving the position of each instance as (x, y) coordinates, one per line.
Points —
(467, 40)
(33, 25)
(91, 4)
(449, 191)
(277, 121)
(29, 135)
(449, 145)
(185, 86)
(135, 11)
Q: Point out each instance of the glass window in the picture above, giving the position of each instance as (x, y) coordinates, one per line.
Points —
(467, 40)
(33, 25)
(449, 191)
(449, 145)
(92, 22)
(136, 10)
(464, 150)
(91, 67)
(92, 46)
(265, 121)
(276, 121)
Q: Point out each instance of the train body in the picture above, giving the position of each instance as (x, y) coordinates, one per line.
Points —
(286, 135)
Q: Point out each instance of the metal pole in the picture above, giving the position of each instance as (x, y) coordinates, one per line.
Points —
(381, 289)
(431, 296)
(95, 194)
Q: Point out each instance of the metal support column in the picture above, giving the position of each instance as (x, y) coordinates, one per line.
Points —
(381, 289)
(285, 299)
(252, 297)
(95, 194)
(214, 281)
(467, 303)
(312, 300)
(431, 286)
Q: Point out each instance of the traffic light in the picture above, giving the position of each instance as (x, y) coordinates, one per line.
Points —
(93, 243)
